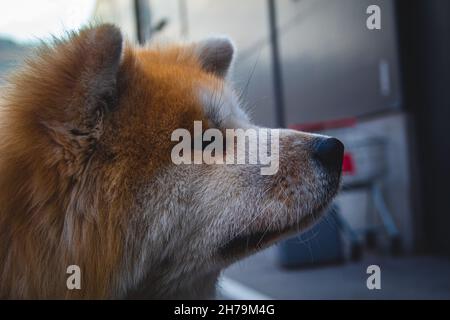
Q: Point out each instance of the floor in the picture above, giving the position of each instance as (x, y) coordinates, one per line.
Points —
(260, 277)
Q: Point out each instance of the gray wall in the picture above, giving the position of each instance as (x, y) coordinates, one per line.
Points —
(331, 62)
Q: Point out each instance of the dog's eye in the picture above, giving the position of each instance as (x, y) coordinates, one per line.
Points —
(203, 145)
(206, 143)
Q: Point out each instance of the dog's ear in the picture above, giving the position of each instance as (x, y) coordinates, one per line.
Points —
(216, 55)
(79, 79)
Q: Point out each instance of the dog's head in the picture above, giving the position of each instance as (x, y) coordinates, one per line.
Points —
(92, 123)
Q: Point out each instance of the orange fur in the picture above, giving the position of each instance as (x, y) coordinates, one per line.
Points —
(70, 170)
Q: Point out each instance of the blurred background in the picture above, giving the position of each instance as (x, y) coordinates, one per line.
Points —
(319, 66)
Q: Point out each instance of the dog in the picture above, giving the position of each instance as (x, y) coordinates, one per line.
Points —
(86, 176)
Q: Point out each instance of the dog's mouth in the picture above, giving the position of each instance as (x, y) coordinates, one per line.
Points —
(246, 244)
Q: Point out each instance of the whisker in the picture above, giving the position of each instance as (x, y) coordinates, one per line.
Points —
(252, 71)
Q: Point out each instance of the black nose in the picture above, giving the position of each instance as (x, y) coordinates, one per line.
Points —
(329, 152)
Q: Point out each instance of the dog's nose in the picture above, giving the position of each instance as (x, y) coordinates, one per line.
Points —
(329, 152)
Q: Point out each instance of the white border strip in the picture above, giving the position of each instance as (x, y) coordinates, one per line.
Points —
(233, 290)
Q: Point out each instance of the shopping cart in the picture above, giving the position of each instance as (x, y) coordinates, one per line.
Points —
(364, 168)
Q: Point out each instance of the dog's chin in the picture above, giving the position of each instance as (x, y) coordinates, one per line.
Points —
(247, 244)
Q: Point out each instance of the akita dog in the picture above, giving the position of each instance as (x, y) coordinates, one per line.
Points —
(87, 179)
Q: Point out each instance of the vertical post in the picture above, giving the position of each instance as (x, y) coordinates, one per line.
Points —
(137, 16)
(184, 23)
(143, 20)
(276, 66)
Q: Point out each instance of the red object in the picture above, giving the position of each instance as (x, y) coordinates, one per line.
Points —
(348, 165)
(324, 125)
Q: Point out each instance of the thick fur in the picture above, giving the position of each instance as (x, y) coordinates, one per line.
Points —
(86, 176)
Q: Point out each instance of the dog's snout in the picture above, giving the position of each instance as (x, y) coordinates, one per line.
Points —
(329, 152)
